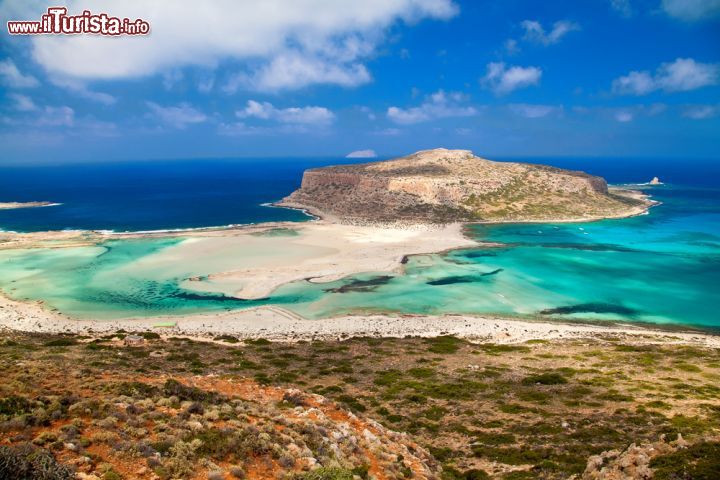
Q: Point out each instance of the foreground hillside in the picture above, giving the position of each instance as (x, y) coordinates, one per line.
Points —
(177, 408)
(443, 186)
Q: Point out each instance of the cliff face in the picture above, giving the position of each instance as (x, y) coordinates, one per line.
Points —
(454, 185)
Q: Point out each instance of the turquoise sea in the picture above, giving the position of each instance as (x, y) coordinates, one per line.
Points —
(663, 267)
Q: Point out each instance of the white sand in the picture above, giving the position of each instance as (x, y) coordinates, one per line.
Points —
(278, 324)
(324, 252)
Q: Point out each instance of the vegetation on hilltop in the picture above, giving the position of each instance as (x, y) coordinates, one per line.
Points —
(178, 408)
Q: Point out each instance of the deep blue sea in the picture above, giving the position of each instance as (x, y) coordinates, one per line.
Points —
(663, 267)
(144, 196)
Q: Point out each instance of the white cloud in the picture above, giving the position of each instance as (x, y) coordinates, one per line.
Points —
(437, 105)
(362, 154)
(634, 83)
(656, 109)
(318, 41)
(206, 84)
(502, 79)
(624, 116)
(310, 115)
(701, 112)
(683, 74)
(56, 117)
(387, 132)
(535, 111)
(296, 70)
(11, 77)
(237, 129)
(81, 90)
(686, 74)
(623, 7)
(535, 32)
(369, 112)
(691, 10)
(511, 46)
(172, 78)
(179, 116)
(23, 103)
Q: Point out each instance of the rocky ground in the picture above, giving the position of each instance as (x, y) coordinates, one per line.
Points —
(145, 406)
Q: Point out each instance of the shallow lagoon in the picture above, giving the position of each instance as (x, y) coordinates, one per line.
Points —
(663, 267)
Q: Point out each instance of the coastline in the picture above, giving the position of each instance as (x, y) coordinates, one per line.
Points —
(621, 190)
(277, 324)
(348, 250)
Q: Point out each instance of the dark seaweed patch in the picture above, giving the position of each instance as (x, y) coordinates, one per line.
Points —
(478, 254)
(213, 297)
(494, 272)
(591, 308)
(362, 285)
(592, 247)
(454, 279)
(463, 278)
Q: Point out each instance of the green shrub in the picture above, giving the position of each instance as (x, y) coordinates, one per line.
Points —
(15, 405)
(422, 372)
(61, 342)
(549, 378)
(184, 392)
(450, 473)
(25, 461)
(216, 443)
(111, 475)
(226, 338)
(493, 349)
(352, 402)
(135, 389)
(326, 473)
(697, 462)
(444, 344)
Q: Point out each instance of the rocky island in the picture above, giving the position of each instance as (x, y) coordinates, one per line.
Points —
(445, 186)
(12, 205)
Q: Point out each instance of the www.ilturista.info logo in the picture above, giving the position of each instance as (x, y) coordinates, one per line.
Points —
(57, 21)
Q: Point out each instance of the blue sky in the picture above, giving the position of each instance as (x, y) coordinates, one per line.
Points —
(517, 78)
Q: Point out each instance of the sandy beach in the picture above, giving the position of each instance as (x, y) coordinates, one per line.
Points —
(278, 324)
(322, 252)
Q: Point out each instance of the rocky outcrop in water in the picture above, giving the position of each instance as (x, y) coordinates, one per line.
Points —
(12, 205)
(441, 186)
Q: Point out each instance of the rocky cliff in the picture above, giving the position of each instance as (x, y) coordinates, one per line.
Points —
(454, 185)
